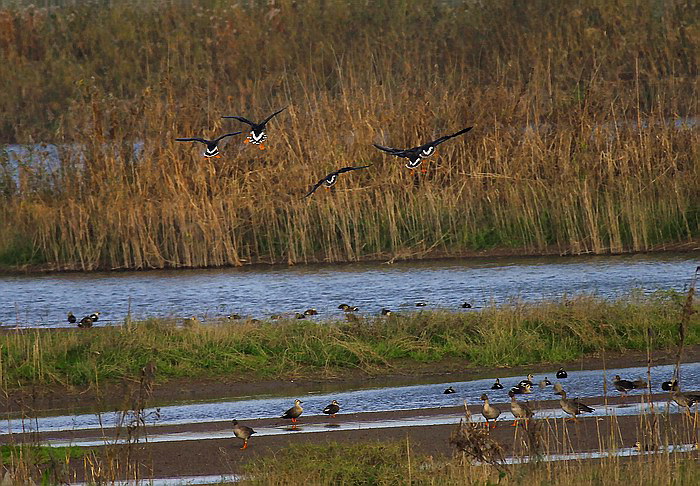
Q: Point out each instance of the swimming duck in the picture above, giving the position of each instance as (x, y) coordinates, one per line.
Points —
(497, 385)
(624, 386)
(348, 308)
(257, 133)
(415, 155)
(294, 412)
(332, 408)
(572, 407)
(85, 322)
(386, 312)
(466, 305)
(421, 304)
(310, 312)
(545, 383)
(521, 388)
(95, 316)
(489, 411)
(668, 385)
(527, 382)
(212, 149)
(332, 178)
(71, 318)
(299, 315)
(520, 410)
(449, 391)
(561, 374)
(242, 432)
(233, 317)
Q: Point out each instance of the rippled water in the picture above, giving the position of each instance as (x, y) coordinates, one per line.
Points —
(44, 300)
(579, 384)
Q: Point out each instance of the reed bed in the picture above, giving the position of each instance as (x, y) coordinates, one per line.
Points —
(290, 349)
(577, 146)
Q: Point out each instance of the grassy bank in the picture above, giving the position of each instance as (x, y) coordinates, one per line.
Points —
(393, 464)
(500, 336)
(574, 150)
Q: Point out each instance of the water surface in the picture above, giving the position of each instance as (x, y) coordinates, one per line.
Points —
(44, 300)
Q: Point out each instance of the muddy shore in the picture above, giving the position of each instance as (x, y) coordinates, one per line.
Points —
(223, 456)
(110, 396)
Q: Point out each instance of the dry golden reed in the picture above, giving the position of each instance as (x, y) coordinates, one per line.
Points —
(576, 148)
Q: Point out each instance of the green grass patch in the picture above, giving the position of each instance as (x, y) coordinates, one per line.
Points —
(508, 335)
(40, 454)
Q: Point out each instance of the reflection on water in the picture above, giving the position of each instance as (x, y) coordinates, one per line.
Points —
(579, 384)
(44, 300)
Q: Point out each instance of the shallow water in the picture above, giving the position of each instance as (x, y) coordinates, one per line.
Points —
(44, 300)
(579, 384)
(339, 424)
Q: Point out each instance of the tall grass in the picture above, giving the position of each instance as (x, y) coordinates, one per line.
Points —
(574, 150)
(390, 463)
(555, 332)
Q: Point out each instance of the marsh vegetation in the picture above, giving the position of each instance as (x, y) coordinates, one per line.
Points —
(584, 139)
(555, 331)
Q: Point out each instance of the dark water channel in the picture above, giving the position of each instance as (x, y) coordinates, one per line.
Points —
(44, 300)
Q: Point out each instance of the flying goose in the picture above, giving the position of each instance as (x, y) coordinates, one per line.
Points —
(330, 179)
(257, 130)
(212, 149)
(415, 155)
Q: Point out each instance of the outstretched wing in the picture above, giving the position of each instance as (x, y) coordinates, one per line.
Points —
(390, 150)
(347, 169)
(273, 115)
(241, 119)
(446, 137)
(200, 140)
(318, 184)
(217, 140)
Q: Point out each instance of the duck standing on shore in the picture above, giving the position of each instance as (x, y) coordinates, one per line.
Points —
(294, 412)
(572, 407)
(332, 408)
(520, 410)
(242, 432)
(684, 399)
(489, 411)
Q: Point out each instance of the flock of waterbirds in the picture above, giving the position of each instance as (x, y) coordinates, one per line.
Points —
(89, 320)
(258, 136)
(522, 411)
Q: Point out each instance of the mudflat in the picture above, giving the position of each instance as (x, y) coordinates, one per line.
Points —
(110, 395)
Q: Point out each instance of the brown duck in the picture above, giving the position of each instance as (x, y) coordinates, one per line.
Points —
(242, 432)
(489, 411)
(572, 407)
(294, 412)
(520, 410)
